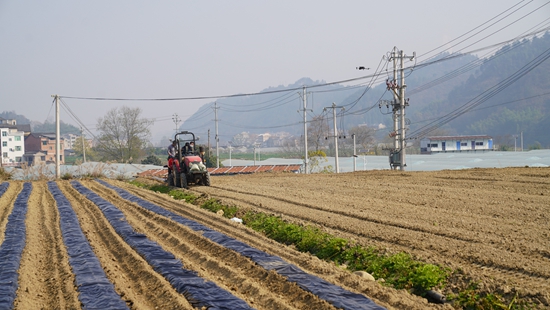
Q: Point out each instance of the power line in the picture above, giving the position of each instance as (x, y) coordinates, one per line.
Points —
(486, 95)
(443, 45)
(215, 97)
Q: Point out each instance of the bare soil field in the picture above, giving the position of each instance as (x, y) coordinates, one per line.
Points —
(492, 224)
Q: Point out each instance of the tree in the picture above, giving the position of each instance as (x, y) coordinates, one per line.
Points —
(210, 157)
(364, 136)
(317, 131)
(123, 134)
(49, 126)
(91, 154)
(316, 160)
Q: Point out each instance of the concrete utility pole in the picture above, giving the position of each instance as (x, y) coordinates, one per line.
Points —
(217, 138)
(400, 103)
(395, 101)
(521, 141)
(230, 148)
(306, 160)
(57, 140)
(334, 107)
(83, 146)
(354, 154)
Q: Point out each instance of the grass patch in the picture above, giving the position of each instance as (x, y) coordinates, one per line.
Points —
(214, 205)
(165, 189)
(400, 271)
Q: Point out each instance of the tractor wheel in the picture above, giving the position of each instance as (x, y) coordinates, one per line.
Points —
(183, 181)
(206, 179)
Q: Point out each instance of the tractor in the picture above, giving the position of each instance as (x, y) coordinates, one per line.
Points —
(188, 166)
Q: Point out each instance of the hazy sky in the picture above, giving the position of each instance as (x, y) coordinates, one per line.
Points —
(167, 49)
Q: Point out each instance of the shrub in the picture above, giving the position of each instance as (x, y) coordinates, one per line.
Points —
(151, 160)
(4, 175)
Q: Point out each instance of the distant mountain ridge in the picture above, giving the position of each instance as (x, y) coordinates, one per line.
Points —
(521, 107)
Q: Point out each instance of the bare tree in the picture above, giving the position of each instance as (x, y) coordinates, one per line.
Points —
(123, 134)
(291, 146)
(364, 136)
(317, 132)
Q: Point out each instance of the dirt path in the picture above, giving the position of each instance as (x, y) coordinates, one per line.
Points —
(491, 223)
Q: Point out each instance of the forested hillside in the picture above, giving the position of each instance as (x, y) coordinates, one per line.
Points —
(524, 106)
(46, 127)
(501, 96)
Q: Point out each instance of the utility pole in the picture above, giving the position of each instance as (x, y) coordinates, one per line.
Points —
(354, 153)
(521, 141)
(176, 120)
(304, 100)
(334, 107)
(83, 146)
(57, 140)
(208, 154)
(399, 105)
(216, 137)
(230, 147)
(254, 146)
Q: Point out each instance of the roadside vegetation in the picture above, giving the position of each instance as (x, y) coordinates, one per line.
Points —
(4, 175)
(399, 271)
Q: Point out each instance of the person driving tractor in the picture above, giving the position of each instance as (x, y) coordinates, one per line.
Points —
(172, 155)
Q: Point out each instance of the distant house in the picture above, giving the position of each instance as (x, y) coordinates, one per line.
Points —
(44, 143)
(443, 144)
(70, 140)
(12, 142)
(34, 158)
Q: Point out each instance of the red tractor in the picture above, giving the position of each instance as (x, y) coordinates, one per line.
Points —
(188, 166)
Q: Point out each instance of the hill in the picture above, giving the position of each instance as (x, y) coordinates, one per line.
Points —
(460, 94)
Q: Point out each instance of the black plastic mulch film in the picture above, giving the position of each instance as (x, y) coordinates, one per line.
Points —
(336, 295)
(199, 293)
(13, 245)
(95, 290)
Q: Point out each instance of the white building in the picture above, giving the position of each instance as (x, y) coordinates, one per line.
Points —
(12, 146)
(70, 139)
(443, 144)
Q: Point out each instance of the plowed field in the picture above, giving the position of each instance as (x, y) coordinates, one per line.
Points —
(493, 224)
